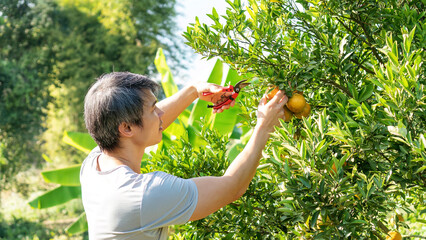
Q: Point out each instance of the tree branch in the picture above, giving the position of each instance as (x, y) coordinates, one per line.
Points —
(334, 84)
(362, 66)
(369, 39)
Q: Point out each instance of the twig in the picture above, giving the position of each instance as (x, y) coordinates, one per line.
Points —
(334, 84)
(362, 66)
(383, 227)
(378, 235)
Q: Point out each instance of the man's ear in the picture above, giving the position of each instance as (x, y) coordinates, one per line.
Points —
(125, 129)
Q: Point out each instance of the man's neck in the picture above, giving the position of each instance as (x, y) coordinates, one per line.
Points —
(128, 157)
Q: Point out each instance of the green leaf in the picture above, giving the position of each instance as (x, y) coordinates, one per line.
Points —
(167, 82)
(176, 130)
(160, 63)
(358, 222)
(291, 149)
(57, 196)
(314, 219)
(69, 176)
(389, 72)
(366, 92)
(421, 169)
(353, 90)
(285, 209)
(184, 116)
(393, 58)
(79, 140)
(421, 220)
(46, 158)
(305, 181)
(78, 226)
(194, 137)
(342, 45)
(234, 150)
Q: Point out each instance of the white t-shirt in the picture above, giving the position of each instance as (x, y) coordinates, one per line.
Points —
(121, 204)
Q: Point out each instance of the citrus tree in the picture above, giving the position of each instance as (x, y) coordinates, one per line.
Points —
(352, 167)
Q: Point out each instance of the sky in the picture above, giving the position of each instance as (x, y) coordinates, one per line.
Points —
(199, 69)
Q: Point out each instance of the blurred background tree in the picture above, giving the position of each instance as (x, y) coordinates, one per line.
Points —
(52, 51)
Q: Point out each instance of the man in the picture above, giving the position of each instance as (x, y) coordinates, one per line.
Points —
(123, 117)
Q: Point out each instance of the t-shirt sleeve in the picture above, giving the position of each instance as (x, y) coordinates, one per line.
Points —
(168, 200)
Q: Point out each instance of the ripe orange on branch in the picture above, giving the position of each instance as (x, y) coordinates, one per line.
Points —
(288, 115)
(296, 103)
(305, 112)
(272, 93)
(394, 235)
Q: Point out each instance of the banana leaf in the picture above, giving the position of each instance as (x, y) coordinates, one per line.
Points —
(169, 86)
(69, 176)
(175, 130)
(79, 226)
(79, 140)
(56, 196)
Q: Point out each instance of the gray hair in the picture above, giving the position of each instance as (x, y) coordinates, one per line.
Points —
(115, 98)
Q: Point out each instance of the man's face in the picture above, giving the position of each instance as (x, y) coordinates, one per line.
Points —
(151, 132)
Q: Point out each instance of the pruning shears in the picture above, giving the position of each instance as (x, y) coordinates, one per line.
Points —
(235, 89)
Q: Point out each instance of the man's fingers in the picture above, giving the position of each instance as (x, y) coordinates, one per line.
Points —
(215, 88)
(263, 100)
(284, 100)
(278, 96)
(224, 107)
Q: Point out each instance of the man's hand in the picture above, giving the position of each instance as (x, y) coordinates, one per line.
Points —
(268, 113)
(216, 96)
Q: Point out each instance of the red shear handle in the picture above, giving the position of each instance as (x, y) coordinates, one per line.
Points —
(224, 89)
(228, 101)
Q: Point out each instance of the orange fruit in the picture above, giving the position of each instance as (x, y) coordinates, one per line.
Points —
(272, 93)
(305, 112)
(393, 235)
(296, 103)
(288, 115)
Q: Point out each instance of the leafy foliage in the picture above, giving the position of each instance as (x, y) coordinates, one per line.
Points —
(360, 157)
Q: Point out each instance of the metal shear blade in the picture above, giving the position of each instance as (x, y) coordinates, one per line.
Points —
(240, 85)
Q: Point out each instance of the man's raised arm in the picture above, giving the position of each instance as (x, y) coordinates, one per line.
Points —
(216, 192)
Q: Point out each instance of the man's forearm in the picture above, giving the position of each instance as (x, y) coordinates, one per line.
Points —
(243, 168)
(173, 106)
